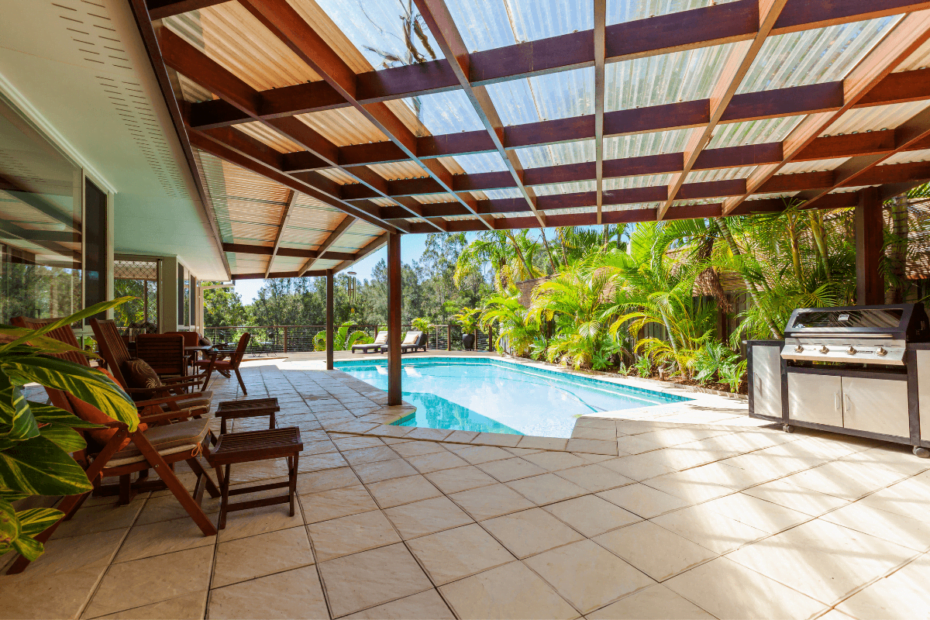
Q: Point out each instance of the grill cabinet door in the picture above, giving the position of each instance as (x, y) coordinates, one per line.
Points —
(876, 406)
(815, 398)
(766, 380)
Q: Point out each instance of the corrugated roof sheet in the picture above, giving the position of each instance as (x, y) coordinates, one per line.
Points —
(875, 118)
(557, 154)
(545, 97)
(753, 132)
(619, 11)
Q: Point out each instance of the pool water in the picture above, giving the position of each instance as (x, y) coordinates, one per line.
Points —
(486, 395)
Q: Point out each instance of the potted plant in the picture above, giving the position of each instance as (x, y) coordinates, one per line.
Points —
(467, 318)
(37, 440)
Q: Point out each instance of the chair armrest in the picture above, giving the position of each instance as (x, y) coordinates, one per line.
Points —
(166, 417)
(179, 381)
(165, 399)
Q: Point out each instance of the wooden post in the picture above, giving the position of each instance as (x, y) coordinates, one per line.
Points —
(394, 314)
(285, 339)
(448, 336)
(329, 319)
(870, 286)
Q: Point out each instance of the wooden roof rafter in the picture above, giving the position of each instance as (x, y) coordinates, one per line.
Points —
(285, 218)
(333, 237)
(600, 96)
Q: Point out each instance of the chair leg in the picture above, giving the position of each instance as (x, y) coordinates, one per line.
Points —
(201, 472)
(241, 382)
(126, 492)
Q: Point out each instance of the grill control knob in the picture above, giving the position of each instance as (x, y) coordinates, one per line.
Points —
(824, 349)
(799, 349)
(881, 351)
(851, 350)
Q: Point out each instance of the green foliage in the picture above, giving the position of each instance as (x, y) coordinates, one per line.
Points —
(515, 332)
(643, 367)
(421, 325)
(734, 374)
(467, 318)
(36, 439)
(343, 339)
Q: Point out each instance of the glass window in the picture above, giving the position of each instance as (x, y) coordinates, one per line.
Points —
(137, 279)
(40, 224)
(95, 245)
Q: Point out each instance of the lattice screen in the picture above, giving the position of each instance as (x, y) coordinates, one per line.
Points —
(135, 269)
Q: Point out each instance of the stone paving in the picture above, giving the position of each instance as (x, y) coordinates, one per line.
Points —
(695, 512)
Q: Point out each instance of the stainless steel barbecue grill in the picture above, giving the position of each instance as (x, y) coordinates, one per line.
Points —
(854, 370)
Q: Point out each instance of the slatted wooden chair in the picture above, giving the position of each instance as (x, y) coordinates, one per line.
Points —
(171, 436)
(232, 364)
(164, 353)
(191, 339)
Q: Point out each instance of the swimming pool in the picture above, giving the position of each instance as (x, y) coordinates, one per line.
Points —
(488, 395)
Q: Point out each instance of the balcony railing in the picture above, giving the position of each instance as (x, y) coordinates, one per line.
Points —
(272, 339)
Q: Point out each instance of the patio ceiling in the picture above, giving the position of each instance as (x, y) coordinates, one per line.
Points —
(549, 113)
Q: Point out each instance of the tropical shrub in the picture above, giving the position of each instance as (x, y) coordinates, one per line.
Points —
(36, 440)
(514, 331)
(467, 318)
(421, 325)
(343, 339)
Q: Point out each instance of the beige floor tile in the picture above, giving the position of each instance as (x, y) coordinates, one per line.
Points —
(129, 585)
(634, 445)
(907, 498)
(902, 595)
(458, 553)
(354, 442)
(603, 434)
(461, 437)
(656, 551)
(510, 591)
(587, 576)
(426, 463)
(482, 454)
(639, 467)
(263, 598)
(653, 603)
(530, 532)
(694, 486)
(813, 503)
(317, 462)
(93, 519)
(594, 477)
(555, 461)
(592, 515)
(347, 535)
(336, 503)
(423, 606)
(546, 489)
(897, 458)
(260, 520)
(522, 451)
(496, 439)
(369, 455)
(490, 501)
(732, 592)
(426, 517)
(397, 491)
(384, 431)
(913, 533)
(594, 446)
(822, 560)
(375, 577)
(460, 479)
(542, 443)
(384, 470)
(168, 507)
(257, 556)
(709, 529)
(511, 469)
(758, 513)
(162, 537)
(643, 501)
(418, 448)
(326, 480)
(188, 607)
(844, 479)
(432, 434)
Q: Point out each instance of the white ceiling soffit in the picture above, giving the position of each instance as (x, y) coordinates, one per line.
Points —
(79, 69)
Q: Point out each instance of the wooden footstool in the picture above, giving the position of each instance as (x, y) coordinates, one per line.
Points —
(248, 408)
(234, 448)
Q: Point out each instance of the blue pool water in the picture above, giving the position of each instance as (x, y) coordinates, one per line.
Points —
(487, 395)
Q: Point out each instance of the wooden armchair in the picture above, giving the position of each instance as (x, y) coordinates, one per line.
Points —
(164, 353)
(232, 364)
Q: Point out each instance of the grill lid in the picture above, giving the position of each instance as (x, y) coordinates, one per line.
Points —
(899, 321)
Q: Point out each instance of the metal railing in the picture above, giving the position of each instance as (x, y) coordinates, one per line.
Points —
(284, 339)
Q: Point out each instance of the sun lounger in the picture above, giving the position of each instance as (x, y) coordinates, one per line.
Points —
(376, 346)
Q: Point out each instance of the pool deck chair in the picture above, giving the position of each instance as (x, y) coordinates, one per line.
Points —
(230, 365)
(376, 346)
(413, 341)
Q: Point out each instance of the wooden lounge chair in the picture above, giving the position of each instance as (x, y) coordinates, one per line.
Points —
(164, 353)
(413, 341)
(232, 364)
(376, 346)
(171, 436)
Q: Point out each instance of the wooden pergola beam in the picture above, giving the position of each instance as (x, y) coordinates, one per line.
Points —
(160, 9)
(333, 237)
(261, 250)
(600, 61)
(285, 218)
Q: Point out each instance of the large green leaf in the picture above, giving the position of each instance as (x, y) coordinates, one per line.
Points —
(38, 466)
(74, 318)
(39, 344)
(87, 384)
(28, 548)
(9, 527)
(15, 411)
(47, 414)
(36, 520)
(64, 437)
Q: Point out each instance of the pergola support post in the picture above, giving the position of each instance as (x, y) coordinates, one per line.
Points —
(870, 286)
(394, 314)
(329, 319)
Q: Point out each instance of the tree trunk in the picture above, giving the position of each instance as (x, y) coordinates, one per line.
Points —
(522, 258)
(795, 250)
(817, 230)
(750, 286)
(555, 268)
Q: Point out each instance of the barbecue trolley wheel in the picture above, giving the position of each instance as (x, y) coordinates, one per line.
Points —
(921, 452)
(787, 428)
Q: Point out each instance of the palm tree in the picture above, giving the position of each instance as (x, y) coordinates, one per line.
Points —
(515, 330)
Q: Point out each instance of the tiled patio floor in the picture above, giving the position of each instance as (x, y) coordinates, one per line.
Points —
(699, 513)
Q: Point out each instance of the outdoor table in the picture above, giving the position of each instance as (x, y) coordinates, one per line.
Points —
(256, 446)
(249, 408)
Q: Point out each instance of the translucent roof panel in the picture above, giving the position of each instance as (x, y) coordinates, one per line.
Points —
(797, 167)
(907, 157)
(389, 33)
(501, 194)
(488, 24)
(631, 207)
(668, 78)
(753, 132)
(725, 174)
(875, 118)
(651, 180)
(547, 97)
(480, 162)
(643, 144)
(442, 113)
(557, 154)
(814, 56)
(619, 11)
(565, 188)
